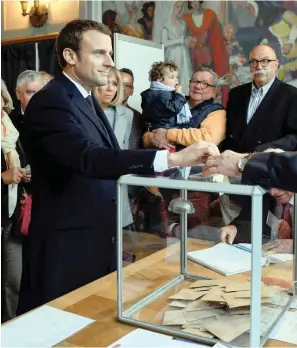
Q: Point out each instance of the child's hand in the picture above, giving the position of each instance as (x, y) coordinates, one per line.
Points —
(179, 89)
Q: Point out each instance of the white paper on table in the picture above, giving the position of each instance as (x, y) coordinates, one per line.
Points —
(219, 345)
(145, 338)
(283, 257)
(286, 329)
(43, 327)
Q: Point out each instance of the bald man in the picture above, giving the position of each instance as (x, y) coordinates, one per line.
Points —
(262, 114)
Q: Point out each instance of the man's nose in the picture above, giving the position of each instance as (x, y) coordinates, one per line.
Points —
(108, 61)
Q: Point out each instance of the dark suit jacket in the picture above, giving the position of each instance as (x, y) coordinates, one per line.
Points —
(272, 170)
(4, 194)
(274, 123)
(137, 130)
(75, 161)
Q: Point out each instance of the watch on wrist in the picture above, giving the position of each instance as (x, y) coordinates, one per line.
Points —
(243, 161)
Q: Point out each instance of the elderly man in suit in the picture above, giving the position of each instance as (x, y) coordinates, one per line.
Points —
(262, 114)
(75, 161)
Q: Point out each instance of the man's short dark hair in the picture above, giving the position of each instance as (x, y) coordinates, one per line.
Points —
(127, 71)
(71, 35)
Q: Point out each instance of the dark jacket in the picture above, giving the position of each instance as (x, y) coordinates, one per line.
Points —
(4, 194)
(201, 111)
(75, 161)
(160, 108)
(270, 170)
(137, 130)
(274, 123)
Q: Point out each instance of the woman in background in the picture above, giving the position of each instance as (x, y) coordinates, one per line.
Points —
(120, 118)
(11, 175)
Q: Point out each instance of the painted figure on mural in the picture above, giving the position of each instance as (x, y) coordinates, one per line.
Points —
(285, 30)
(133, 28)
(208, 44)
(146, 21)
(235, 51)
(112, 20)
(172, 33)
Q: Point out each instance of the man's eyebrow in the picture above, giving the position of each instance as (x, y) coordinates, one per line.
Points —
(102, 51)
(30, 91)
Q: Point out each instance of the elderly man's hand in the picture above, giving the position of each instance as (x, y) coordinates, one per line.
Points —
(159, 139)
(228, 234)
(282, 246)
(226, 163)
(193, 154)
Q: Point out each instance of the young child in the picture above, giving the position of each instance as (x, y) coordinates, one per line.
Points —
(163, 104)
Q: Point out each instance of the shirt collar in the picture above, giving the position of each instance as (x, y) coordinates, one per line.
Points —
(265, 88)
(84, 93)
(291, 201)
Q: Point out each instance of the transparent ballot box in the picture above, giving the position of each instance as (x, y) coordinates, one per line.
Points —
(202, 259)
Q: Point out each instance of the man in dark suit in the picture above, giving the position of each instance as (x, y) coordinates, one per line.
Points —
(138, 125)
(262, 114)
(28, 83)
(75, 161)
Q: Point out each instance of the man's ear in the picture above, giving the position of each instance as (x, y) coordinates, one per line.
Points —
(17, 92)
(70, 56)
(215, 92)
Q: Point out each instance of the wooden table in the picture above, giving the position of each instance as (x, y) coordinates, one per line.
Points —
(98, 300)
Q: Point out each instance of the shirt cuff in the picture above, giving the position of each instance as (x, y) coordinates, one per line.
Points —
(161, 161)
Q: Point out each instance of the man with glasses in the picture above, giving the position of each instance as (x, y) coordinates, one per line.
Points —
(262, 114)
(211, 116)
(138, 125)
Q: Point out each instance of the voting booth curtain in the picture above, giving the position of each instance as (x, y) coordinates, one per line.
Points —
(15, 58)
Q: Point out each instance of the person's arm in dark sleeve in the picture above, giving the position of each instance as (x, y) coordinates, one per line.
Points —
(270, 169)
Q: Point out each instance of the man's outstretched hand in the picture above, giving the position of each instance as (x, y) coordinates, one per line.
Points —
(193, 154)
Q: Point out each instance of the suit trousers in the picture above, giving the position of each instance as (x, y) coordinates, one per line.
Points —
(11, 270)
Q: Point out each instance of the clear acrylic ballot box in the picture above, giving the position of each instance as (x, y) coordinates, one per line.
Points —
(176, 277)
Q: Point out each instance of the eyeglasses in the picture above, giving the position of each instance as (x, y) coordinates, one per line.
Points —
(263, 62)
(202, 84)
(128, 86)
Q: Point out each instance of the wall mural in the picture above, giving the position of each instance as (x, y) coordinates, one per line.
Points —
(216, 33)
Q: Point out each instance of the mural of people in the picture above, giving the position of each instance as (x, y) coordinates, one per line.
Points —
(146, 21)
(133, 28)
(172, 35)
(212, 33)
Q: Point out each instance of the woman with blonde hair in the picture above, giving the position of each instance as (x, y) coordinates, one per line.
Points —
(11, 174)
(120, 118)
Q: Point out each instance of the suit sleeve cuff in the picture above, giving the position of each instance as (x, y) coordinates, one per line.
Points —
(161, 161)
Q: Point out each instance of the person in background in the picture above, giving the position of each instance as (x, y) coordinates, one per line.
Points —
(138, 125)
(284, 212)
(110, 97)
(163, 104)
(28, 83)
(211, 115)
(46, 76)
(262, 114)
(11, 176)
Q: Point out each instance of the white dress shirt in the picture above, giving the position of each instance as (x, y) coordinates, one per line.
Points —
(161, 159)
(256, 98)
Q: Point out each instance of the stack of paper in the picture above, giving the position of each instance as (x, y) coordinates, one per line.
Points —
(225, 259)
(216, 308)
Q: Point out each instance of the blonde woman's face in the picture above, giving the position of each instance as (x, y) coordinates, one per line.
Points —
(107, 92)
(178, 9)
(2, 103)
